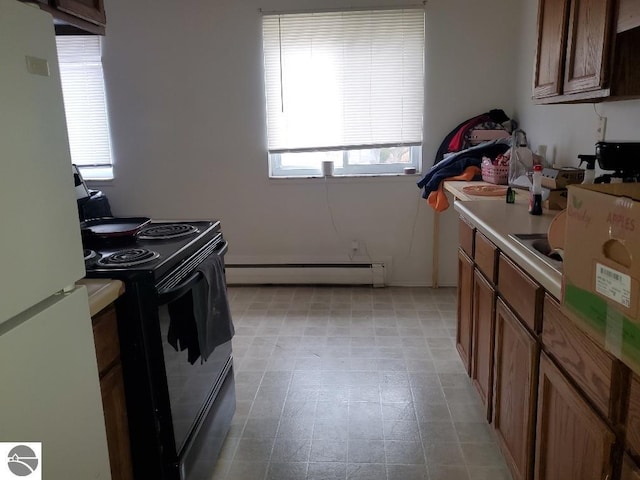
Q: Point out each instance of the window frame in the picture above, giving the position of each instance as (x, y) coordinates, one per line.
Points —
(93, 171)
(275, 168)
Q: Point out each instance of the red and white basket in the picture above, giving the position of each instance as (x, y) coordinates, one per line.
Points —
(496, 174)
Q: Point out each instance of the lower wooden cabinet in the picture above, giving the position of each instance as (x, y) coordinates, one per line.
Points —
(592, 369)
(465, 308)
(105, 334)
(115, 418)
(630, 470)
(572, 442)
(484, 304)
(515, 385)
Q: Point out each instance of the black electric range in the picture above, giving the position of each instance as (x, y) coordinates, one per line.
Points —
(175, 241)
(179, 410)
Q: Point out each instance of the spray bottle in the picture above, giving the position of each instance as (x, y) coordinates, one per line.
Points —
(590, 171)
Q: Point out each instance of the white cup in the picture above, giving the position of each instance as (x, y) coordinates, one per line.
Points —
(327, 168)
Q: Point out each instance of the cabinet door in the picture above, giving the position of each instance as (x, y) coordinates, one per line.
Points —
(115, 417)
(589, 44)
(552, 25)
(465, 303)
(633, 416)
(571, 439)
(516, 373)
(90, 10)
(483, 338)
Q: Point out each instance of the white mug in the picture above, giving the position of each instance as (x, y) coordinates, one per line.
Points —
(327, 168)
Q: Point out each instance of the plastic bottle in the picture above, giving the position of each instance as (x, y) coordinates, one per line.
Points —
(511, 195)
(535, 193)
(590, 171)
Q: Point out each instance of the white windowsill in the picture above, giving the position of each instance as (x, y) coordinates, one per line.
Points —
(350, 178)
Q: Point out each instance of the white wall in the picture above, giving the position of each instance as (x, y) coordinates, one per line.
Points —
(186, 102)
(568, 130)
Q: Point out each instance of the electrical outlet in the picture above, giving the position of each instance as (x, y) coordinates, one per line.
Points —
(602, 129)
(355, 246)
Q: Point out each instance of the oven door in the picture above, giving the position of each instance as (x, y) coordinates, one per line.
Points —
(192, 387)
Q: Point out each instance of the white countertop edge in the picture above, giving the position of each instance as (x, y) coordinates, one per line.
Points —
(536, 268)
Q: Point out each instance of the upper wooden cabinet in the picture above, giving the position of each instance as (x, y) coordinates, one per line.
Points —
(628, 15)
(577, 45)
(90, 10)
(75, 16)
(588, 45)
(552, 24)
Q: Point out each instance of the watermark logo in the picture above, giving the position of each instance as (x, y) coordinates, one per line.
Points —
(20, 460)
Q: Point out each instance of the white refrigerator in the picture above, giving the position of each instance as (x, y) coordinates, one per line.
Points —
(49, 386)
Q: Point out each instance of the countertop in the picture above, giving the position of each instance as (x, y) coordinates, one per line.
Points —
(102, 292)
(497, 219)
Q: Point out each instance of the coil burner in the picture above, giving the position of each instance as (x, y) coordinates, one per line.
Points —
(128, 258)
(167, 231)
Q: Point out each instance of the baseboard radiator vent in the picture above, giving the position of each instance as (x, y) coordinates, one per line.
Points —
(306, 274)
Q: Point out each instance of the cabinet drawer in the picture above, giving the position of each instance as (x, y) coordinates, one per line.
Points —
(588, 365)
(486, 255)
(105, 336)
(466, 234)
(521, 293)
(633, 417)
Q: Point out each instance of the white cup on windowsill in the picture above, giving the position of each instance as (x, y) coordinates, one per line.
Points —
(327, 168)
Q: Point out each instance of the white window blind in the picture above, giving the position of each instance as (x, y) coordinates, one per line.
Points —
(80, 58)
(344, 80)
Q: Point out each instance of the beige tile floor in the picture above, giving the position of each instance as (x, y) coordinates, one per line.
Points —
(353, 383)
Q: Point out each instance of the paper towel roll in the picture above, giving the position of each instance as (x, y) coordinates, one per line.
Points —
(327, 168)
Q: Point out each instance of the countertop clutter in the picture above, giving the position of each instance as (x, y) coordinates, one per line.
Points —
(498, 219)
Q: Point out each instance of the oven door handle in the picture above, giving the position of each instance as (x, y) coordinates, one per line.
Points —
(179, 290)
(176, 292)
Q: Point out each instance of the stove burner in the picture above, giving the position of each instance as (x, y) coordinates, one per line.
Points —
(89, 255)
(128, 258)
(165, 232)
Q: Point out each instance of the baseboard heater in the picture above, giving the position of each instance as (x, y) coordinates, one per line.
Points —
(306, 274)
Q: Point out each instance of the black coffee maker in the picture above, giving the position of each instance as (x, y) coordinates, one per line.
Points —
(622, 158)
(91, 203)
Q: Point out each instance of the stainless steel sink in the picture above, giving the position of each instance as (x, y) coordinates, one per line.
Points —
(538, 244)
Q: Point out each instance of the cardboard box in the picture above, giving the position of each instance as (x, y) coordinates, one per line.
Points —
(601, 270)
(557, 200)
(553, 178)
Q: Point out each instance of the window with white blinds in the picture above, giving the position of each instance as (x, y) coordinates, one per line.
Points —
(80, 59)
(345, 86)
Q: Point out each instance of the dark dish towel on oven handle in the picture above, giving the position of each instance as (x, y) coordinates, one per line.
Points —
(201, 319)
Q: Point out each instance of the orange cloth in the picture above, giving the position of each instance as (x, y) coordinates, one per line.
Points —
(438, 200)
